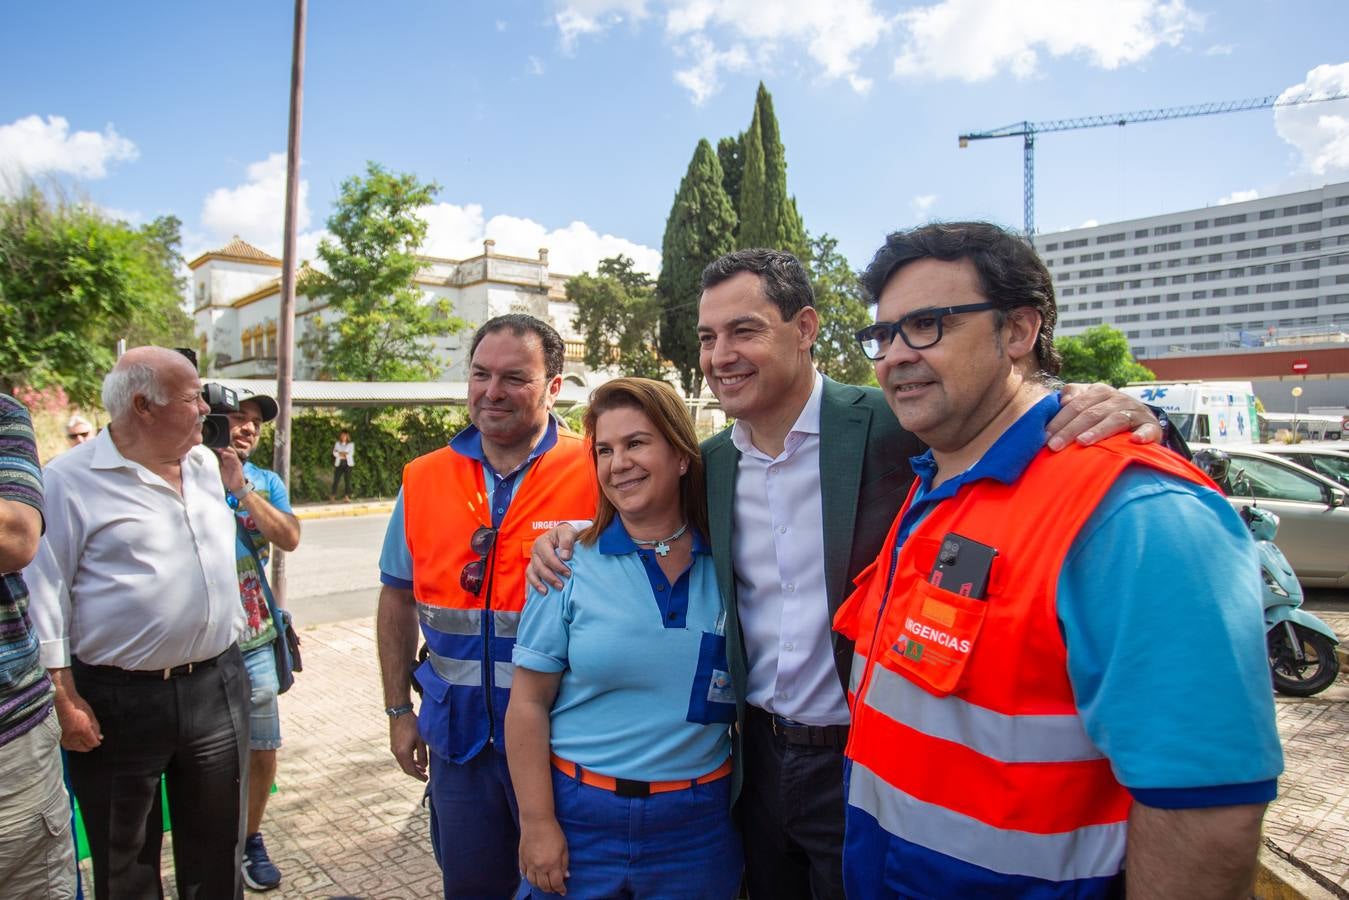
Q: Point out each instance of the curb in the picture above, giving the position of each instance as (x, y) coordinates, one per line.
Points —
(338, 510)
(1280, 877)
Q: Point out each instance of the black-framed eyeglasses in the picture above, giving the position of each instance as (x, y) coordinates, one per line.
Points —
(472, 576)
(920, 329)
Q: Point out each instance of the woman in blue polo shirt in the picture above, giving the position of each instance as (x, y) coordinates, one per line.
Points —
(617, 731)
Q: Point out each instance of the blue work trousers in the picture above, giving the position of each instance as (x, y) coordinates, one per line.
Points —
(475, 826)
(679, 845)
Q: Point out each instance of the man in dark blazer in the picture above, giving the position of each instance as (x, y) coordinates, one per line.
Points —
(802, 490)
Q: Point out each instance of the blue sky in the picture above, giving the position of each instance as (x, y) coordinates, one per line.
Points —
(569, 123)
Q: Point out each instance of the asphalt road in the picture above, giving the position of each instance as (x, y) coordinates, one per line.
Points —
(334, 574)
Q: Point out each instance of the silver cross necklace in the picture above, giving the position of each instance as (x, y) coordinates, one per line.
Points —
(663, 546)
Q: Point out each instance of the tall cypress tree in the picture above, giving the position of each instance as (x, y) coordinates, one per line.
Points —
(700, 228)
(768, 214)
(753, 228)
(731, 155)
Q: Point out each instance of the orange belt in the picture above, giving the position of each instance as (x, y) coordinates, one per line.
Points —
(626, 787)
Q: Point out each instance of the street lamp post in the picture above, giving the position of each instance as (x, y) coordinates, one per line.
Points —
(1296, 392)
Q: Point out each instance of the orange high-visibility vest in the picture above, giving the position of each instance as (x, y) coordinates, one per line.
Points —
(467, 677)
(965, 739)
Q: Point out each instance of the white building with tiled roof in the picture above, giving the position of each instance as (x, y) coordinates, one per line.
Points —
(236, 294)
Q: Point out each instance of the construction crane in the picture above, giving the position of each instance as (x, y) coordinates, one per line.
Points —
(1028, 130)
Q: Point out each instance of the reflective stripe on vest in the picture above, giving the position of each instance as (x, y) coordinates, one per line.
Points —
(468, 672)
(1090, 852)
(467, 621)
(1009, 739)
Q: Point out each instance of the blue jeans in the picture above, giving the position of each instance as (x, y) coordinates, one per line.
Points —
(264, 717)
(679, 845)
(475, 828)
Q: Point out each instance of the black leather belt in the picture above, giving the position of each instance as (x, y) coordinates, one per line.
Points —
(116, 673)
(834, 737)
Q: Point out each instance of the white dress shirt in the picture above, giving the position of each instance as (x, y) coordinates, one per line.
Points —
(130, 573)
(777, 548)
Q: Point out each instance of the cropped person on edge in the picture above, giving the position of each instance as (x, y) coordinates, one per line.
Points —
(264, 517)
(622, 673)
(37, 855)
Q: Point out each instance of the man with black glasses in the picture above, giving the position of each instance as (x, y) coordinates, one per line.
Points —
(454, 557)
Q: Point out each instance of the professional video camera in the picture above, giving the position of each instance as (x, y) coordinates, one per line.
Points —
(215, 430)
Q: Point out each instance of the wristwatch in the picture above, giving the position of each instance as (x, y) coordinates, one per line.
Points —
(248, 488)
(393, 712)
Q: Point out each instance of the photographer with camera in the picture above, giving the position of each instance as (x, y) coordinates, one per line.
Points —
(135, 600)
(262, 509)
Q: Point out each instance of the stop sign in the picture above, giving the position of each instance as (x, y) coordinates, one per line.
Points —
(1300, 366)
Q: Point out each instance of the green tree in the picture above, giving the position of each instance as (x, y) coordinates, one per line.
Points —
(1101, 353)
(385, 326)
(768, 214)
(617, 311)
(700, 228)
(731, 155)
(72, 283)
(843, 312)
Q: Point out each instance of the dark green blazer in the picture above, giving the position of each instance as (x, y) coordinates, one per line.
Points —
(864, 478)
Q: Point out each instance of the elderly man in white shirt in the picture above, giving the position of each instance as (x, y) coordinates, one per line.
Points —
(136, 603)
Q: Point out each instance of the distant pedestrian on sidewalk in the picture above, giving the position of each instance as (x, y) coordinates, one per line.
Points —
(263, 516)
(344, 457)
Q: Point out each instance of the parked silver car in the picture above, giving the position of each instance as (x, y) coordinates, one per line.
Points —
(1333, 464)
(1313, 517)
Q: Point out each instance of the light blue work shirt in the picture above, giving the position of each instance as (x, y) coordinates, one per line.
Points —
(1159, 602)
(644, 692)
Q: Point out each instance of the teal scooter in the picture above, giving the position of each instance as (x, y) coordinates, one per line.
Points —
(1301, 647)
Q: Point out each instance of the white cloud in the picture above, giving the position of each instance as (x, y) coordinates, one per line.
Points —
(457, 232)
(31, 147)
(724, 35)
(1320, 131)
(1239, 197)
(701, 78)
(256, 209)
(922, 205)
(974, 40)
(578, 18)
(534, 66)
(1090, 223)
(1221, 50)
(502, 25)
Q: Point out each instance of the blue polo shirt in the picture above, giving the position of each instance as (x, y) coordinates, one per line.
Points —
(1159, 602)
(644, 691)
(395, 559)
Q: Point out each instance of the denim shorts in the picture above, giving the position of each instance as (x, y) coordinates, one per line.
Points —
(264, 719)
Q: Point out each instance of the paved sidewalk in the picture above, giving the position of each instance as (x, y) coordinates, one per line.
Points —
(346, 822)
(346, 508)
(1308, 825)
